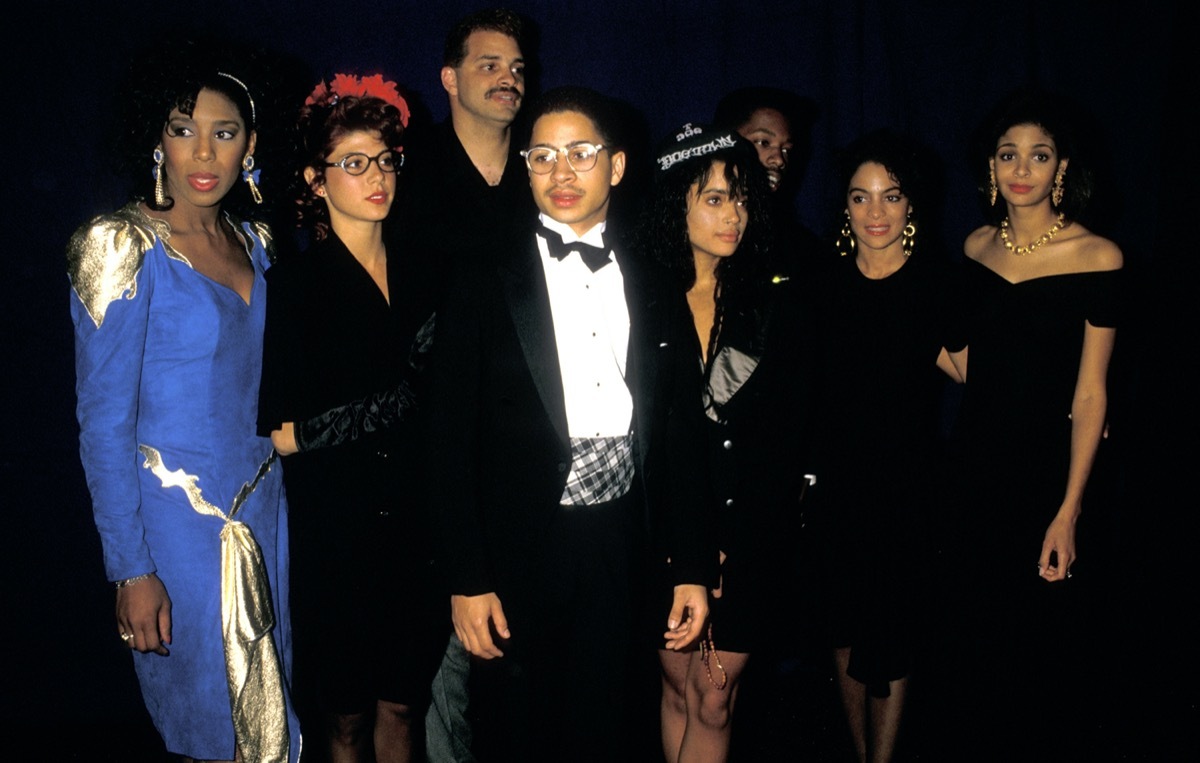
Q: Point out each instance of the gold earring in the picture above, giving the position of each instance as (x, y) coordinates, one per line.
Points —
(909, 237)
(1056, 193)
(992, 189)
(845, 242)
(251, 175)
(160, 197)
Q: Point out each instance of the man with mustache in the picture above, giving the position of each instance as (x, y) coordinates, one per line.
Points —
(461, 183)
(565, 442)
(462, 186)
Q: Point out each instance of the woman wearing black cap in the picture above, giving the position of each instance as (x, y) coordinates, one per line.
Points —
(708, 224)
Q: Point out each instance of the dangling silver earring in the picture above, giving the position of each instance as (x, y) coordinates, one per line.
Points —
(845, 242)
(251, 175)
(160, 197)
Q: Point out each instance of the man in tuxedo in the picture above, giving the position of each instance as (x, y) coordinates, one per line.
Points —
(566, 453)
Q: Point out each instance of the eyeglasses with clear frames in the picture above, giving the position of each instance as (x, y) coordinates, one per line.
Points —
(580, 157)
(357, 164)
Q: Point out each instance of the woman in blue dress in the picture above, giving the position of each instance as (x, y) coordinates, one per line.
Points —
(168, 303)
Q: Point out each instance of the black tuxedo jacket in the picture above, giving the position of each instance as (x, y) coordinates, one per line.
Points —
(500, 448)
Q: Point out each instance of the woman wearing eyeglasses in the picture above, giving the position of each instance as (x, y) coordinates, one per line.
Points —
(343, 320)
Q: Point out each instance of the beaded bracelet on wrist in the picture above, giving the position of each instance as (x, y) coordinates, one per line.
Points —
(130, 581)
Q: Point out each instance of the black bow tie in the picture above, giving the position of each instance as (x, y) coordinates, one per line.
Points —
(595, 257)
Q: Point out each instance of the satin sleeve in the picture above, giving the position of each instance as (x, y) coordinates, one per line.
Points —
(381, 411)
(110, 298)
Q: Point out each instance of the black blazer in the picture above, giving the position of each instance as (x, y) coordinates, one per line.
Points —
(332, 338)
(500, 449)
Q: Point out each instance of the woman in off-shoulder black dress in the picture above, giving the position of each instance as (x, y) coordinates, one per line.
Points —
(1042, 297)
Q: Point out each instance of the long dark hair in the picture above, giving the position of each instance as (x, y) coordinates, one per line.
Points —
(664, 233)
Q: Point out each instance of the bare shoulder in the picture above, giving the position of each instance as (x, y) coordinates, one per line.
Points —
(979, 241)
(1095, 253)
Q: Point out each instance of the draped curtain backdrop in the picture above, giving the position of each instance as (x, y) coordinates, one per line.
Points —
(930, 69)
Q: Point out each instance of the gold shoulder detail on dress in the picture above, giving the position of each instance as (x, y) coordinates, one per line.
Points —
(104, 257)
(263, 231)
(259, 230)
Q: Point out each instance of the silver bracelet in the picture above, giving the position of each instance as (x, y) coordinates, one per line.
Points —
(131, 581)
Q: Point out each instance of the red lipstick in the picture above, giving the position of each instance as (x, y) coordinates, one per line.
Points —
(202, 181)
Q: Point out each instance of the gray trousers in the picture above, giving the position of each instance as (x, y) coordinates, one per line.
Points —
(447, 731)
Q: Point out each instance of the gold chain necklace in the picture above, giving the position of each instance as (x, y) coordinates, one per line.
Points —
(1021, 251)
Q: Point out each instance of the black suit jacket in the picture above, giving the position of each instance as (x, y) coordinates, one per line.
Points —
(332, 338)
(500, 448)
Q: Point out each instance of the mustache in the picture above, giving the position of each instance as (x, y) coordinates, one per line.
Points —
(502, 89)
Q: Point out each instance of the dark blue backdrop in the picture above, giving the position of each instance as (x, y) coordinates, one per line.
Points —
(928, 68)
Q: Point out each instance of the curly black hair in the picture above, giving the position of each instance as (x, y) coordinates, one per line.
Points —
(1059, 118)
(171, 76)
(319, 130)
(900, 156)
(663, 233)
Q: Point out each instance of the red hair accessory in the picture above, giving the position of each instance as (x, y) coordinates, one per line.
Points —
(343, 85)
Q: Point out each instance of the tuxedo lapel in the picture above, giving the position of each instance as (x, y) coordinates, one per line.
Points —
(645, 343)
(528, 300)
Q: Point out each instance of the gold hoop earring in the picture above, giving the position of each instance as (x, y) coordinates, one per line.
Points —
(1056, 193)
(992, 189)
(251, 175)
(909, 237)
(160, 196)
(845, 242)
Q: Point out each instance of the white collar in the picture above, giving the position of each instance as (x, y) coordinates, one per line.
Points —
(594, 236)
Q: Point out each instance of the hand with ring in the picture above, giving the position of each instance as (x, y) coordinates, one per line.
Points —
(144, 615)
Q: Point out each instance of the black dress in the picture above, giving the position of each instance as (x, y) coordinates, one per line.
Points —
(368, 623)
(1025, 639)
(878, 402)
(754, 395)
(1025, 343)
